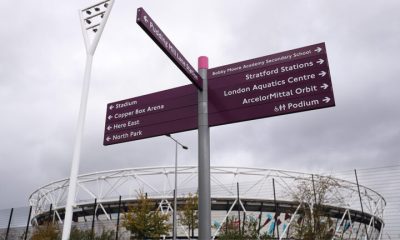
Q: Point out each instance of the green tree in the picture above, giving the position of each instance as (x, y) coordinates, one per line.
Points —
(78, 234)
(51, 231)
(189, 213)
(313, 221)
(47, 231)
(231, 230)
(144, 220)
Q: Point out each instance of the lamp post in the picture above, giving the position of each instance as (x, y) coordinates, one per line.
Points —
(176, 182)
(93, 20)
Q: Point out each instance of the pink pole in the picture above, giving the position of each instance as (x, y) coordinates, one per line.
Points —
(203, 62)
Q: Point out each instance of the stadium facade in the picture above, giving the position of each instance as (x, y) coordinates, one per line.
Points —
(276, 199)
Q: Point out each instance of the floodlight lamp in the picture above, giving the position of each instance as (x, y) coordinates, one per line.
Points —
(184, 147)
(88, 21)
(88, 12)
(94, 29)
(97, 9)
(105, 5)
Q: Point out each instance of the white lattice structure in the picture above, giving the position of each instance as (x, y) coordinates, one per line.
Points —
(247, 189)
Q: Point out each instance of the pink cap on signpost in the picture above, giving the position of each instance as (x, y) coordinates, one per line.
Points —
(203, 62)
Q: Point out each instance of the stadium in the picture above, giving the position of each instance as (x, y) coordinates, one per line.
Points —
(277, 200)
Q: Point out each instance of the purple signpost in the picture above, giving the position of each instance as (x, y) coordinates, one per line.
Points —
(165, 112)
(287, 82)
(257, 88)
(155, 33)
(200, 81)
(269, 60)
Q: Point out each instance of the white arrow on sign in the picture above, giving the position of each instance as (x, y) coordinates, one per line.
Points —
(322, 73)
(109, 117)
(145, 19)
(109, 128)
(325, 86)
(318, 49)
(108, 139)
(111, 107)
(326, 100)
(320, 61)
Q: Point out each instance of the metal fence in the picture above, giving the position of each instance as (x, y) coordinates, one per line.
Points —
(15, 222)
(386, 181)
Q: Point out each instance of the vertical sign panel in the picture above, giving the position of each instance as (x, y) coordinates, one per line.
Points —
(155, 33)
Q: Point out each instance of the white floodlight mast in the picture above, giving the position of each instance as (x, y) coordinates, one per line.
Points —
(90, 49)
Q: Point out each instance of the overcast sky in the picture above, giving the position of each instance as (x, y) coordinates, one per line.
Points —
(42, 59)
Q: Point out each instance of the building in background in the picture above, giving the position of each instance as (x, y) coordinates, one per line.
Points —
(278, 201)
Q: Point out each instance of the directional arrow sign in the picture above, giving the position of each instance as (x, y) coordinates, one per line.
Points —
(270, 109)
(288, 82)
(151, 115)
(326, 99)
(155, 33)
(325, 86)
(269, 60)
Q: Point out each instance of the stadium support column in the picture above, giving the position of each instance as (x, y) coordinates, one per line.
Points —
(204, 155)
(361, 203)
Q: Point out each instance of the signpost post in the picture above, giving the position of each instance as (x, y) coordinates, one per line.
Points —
(204, 156)
(200, 81)
(288, 82)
